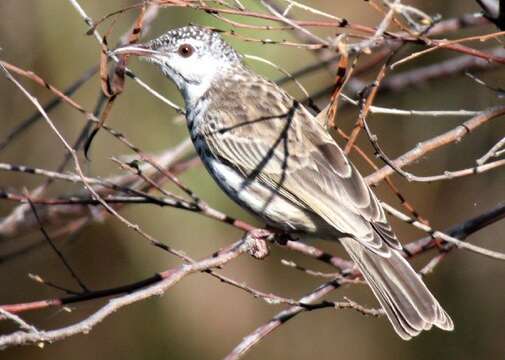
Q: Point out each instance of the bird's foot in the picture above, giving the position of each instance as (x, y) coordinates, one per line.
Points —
(257, 242)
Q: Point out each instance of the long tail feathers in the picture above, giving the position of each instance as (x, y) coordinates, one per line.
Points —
(409, 305)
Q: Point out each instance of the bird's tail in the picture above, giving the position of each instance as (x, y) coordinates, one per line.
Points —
(409, 305)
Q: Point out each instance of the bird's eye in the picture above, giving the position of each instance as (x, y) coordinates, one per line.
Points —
(185, 50)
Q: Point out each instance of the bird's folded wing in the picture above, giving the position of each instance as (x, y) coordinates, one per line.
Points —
(301, 161)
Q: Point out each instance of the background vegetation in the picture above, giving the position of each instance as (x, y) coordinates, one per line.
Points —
(201, 317)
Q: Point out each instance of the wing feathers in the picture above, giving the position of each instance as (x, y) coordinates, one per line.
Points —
(295, 156)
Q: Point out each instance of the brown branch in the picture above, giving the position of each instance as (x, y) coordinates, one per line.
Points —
(20, 223)
(169, 278)
(366, 103)
(48, 107)
(461, 231)
(430, 145)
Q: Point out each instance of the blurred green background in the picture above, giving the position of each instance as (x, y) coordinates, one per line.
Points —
(200, 317)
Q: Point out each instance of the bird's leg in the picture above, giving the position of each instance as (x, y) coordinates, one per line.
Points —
(282, 237)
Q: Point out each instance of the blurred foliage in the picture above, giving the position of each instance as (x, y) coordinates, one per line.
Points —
(202, 318)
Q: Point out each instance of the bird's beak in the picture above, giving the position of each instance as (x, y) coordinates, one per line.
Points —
(136, 50)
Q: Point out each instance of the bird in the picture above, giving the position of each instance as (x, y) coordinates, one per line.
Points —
(270, 155)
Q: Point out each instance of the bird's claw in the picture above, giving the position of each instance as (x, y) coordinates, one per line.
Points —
(257, 243)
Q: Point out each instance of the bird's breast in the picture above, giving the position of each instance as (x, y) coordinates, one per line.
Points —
(254, 196)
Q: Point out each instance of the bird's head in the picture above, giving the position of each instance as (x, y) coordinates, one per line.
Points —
(191, 56)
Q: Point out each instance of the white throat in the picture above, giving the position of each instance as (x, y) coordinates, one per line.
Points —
(192, 92)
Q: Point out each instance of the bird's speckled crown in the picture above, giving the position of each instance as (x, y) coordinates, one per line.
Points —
(212, 39)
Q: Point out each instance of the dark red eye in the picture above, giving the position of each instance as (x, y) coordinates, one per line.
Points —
(185, 50)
